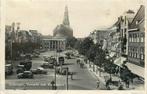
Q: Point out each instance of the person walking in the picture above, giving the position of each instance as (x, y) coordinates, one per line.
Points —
(78, 61)
(127, 83)
(120, 87)
(71, 75)
(97, 83)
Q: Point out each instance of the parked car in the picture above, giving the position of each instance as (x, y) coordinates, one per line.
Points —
(8, 69)
(59, 50)
(25, 74)
(47, 65)
(39, 70)
(28, 56)
(20, 69)
(46, 59)
(27, 64)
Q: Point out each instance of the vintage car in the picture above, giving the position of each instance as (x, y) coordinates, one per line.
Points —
(39, 70)
(8, 69)
(47, 65)
(25, 74)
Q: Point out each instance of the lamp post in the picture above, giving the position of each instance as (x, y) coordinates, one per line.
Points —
(55, 68)
(67, 78)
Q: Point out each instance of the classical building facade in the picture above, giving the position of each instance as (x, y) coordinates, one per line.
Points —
(54, 43)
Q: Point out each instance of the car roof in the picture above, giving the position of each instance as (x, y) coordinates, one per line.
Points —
(27, 71)
(8, 64)
(20, 65)
(40, 68)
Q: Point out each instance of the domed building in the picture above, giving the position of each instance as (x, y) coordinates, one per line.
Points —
(64, 29)
(60, 35)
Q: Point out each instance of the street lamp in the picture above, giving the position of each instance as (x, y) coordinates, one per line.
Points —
(55, 63)
(66, 78)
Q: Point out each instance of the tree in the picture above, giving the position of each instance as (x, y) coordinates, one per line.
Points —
(100, 58)
(71, 42)
(85, 45)
(91, 53)
(77, 45)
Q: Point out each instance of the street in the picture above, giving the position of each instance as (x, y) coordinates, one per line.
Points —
(82, 78)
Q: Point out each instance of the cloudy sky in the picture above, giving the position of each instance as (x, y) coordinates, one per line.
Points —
(84, 15)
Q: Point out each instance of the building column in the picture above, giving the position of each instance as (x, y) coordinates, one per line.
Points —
(58, 45)
(49, 45)
(52, 44)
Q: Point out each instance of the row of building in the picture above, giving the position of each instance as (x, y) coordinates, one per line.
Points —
(17, 35)
(125, 40)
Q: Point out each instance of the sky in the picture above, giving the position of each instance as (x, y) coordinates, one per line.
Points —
(84, 15)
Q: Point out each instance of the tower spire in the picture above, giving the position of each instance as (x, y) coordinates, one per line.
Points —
(66, 17)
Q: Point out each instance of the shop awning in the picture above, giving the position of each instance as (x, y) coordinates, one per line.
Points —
(119, 61)
(140, 71)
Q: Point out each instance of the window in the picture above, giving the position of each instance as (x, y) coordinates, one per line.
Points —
(130, 38)
(130, 54)
(142, 57)
(133, 38)
(137, 22)
(138, 56)
(142, 53)
(137, 37)
(142, 38)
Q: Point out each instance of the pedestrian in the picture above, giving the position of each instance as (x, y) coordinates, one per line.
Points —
(108, 88)
(82, 65)
(25, 86)
(98, 83)
(127, 83)
(120, 87)
(107, 83)
(71, 75)
(78, 61)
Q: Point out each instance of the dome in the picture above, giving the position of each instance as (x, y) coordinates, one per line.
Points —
(63, 31)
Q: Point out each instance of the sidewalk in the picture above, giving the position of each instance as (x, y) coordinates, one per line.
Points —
(105, 75)
(101, 78)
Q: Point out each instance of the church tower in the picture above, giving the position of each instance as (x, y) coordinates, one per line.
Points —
(64, 29)
(66, 17)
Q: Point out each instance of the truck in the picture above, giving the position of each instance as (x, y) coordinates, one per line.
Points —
(27, 64)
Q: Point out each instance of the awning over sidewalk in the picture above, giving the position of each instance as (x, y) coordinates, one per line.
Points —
(140, 71)
(119, 61)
